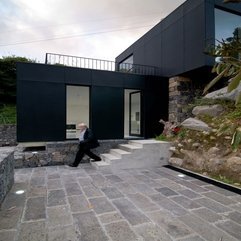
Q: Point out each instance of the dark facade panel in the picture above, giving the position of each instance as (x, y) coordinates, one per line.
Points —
(39, 72)
(40, 111)
(107, 108)
(172, 18)
(172, 49)
(75, 76)
(132, 81)
(194, 38)
(107, 78)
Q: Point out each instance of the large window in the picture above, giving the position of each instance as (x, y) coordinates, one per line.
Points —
(225, 24)
(127, 64)
(77, 109)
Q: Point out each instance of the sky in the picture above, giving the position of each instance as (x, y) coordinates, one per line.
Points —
(99, 29)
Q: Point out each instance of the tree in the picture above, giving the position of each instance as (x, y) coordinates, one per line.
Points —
(8, 78)
(228, 53)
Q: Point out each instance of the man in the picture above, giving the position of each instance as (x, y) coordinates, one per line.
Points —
(87, 141)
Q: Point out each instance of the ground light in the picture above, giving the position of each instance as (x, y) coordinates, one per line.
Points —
(20, 192)
(181, 175)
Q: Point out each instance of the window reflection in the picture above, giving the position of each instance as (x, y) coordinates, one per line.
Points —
(77, 109)
(225, 24)
(127, 64)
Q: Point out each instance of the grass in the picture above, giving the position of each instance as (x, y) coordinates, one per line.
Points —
(161, 137)
(7, 114)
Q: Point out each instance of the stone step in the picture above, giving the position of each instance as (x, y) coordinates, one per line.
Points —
(129, 147)
(108, 157)
(101, 165)
(119, 153)
(135, 143)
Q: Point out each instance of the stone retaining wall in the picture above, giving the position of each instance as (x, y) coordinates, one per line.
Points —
(8, 135)
(6, 171)
(180, 95)
(57, 153)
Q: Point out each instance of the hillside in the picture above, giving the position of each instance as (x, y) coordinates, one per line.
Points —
(216, 151)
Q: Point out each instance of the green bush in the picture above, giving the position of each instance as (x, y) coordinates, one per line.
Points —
(8, 114)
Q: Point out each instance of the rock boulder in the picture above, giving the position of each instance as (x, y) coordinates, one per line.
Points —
(213, 110)
(195, 124)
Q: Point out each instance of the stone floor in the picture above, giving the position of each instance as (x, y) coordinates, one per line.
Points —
(63, 203)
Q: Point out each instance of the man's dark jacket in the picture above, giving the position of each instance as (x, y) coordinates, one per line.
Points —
(89, 139)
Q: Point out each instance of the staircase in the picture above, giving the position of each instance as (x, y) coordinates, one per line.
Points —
(135, 154)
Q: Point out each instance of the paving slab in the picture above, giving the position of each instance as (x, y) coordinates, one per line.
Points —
(119, 231)
(33, 231)
(89, 227)
(101, 205)
(8, 235)
(64, 233)
(152, 232)
(56, 197)
(79, 204)
(35, 209)
(130, 212)
(112, 192)
(110, 217)
(62, 203)
(170, 224)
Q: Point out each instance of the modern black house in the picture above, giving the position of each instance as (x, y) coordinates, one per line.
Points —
(149, 81)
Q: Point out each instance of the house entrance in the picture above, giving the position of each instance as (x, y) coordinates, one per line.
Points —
(133, 113)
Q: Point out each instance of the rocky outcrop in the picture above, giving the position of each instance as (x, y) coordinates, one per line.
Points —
(212, 148)
(224, 94)
(210, 110)
(195, 124)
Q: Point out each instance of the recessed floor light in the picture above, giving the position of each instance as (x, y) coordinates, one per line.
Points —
(19, 192)
(181, 175)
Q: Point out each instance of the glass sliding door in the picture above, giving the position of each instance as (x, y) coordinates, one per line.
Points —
(77, 109)
(135, 114)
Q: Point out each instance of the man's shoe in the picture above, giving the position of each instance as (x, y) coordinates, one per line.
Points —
(72, 165)
(96, 160)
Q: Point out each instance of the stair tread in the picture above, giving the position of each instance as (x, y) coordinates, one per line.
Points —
(131, 146)
(110, 156)
(120, 151)
(101, 163)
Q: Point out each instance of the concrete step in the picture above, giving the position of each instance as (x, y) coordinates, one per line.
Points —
(129, 147)
(101, 165)
(119, 153)
(109, 157)
(135, 143)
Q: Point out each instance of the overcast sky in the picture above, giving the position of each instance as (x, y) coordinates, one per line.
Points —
(99, 29)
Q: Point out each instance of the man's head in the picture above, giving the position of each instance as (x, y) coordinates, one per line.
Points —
(82, 126)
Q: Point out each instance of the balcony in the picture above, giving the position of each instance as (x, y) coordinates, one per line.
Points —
(99, 64)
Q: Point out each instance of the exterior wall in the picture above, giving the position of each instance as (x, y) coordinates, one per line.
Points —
(41, 101)
(8, 135)
(176, 45)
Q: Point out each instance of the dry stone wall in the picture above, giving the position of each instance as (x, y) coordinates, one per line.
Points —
(6, 171)
(180, 94)
(8, 135)
(57, 153)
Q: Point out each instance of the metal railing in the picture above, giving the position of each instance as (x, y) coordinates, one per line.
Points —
(99, 64)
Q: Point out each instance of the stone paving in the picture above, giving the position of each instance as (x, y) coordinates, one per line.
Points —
(61, 203)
